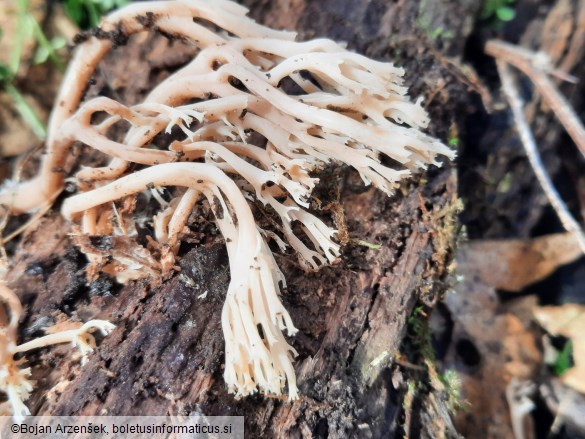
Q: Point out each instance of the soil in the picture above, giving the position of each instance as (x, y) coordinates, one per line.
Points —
(366, 367)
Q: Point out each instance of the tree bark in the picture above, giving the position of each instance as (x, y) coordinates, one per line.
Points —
(353, 367)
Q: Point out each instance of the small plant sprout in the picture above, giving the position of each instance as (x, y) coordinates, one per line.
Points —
(501, 10)
(253, 119)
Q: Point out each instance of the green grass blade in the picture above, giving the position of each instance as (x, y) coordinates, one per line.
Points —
(46, 44)
(29, 115)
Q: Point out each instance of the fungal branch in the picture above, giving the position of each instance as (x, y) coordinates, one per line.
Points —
(14, 379)
(253, 119)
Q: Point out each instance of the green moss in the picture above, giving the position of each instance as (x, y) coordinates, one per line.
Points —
(423, 20)
(420, 335)
(452, 386)
(365, 244)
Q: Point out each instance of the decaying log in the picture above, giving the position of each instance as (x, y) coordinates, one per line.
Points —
(166, 354)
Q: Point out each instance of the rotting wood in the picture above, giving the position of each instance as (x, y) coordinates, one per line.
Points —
(171, 326)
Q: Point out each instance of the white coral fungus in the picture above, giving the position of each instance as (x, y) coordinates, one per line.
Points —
(260, 114)
(14, 380)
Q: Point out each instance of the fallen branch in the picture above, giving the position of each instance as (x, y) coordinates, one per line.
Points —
(516, 104)
(537, 67)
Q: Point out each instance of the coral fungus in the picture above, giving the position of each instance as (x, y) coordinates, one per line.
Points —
(254, 117)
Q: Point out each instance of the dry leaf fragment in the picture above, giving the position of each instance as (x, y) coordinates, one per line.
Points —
(566, 404)
(513, 264)
(568, 321)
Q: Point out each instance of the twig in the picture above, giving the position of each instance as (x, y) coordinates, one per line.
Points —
(27, 225)
(509, 88)
(409, 365)
(519, 396)
(537, 66)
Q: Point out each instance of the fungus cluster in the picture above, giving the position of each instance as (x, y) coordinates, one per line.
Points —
(253, 119)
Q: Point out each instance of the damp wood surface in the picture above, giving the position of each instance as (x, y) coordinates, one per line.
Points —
(166, 354)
